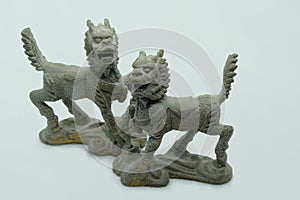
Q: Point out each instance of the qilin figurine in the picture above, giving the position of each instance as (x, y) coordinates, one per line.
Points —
(154, 113)
(101, 45)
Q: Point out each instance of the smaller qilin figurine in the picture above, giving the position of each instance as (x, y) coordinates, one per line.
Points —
(59, 80)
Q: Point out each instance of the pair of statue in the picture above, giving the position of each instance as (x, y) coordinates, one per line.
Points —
(134, 137)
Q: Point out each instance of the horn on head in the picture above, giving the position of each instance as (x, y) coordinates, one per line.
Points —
(158, 56)
(106, 23)
(142, 54)
(90, 24)
(160, 53)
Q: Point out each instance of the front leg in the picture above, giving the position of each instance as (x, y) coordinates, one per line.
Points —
(103, 102)
(151, 146)
(129, 146)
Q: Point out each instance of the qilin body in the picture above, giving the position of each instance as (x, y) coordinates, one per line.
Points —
(153, 112)
(59, 80)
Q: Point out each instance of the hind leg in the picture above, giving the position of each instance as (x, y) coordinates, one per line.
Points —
(225, 132)
(222, 145)
(69, 105)
(38, 98)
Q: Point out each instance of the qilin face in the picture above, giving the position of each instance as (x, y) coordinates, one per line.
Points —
(142, 75)
(101, 44)
(148, 70)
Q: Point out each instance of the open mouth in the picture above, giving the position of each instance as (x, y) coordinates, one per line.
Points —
(136, 86)
(105, 55)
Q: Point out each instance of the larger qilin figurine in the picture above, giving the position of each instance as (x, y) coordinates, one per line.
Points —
(135, 136)
(154, 113)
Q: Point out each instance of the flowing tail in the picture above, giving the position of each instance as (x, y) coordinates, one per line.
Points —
(228, 75)
(32, 51)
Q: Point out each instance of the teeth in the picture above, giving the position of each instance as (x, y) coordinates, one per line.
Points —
(105, 55)
(106, 59)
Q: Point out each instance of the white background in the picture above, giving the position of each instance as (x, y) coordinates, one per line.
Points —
(264, 150)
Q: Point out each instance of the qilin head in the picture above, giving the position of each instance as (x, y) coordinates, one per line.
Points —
(149, 75)
(101, 44)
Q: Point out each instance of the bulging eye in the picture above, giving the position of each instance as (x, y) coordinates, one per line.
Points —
(97, 40)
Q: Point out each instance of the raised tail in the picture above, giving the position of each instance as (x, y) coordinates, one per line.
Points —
(32, 50)
(228, 75)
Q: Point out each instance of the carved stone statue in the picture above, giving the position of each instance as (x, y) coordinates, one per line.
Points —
(101, 45)
(153, 112)
(135, 136)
